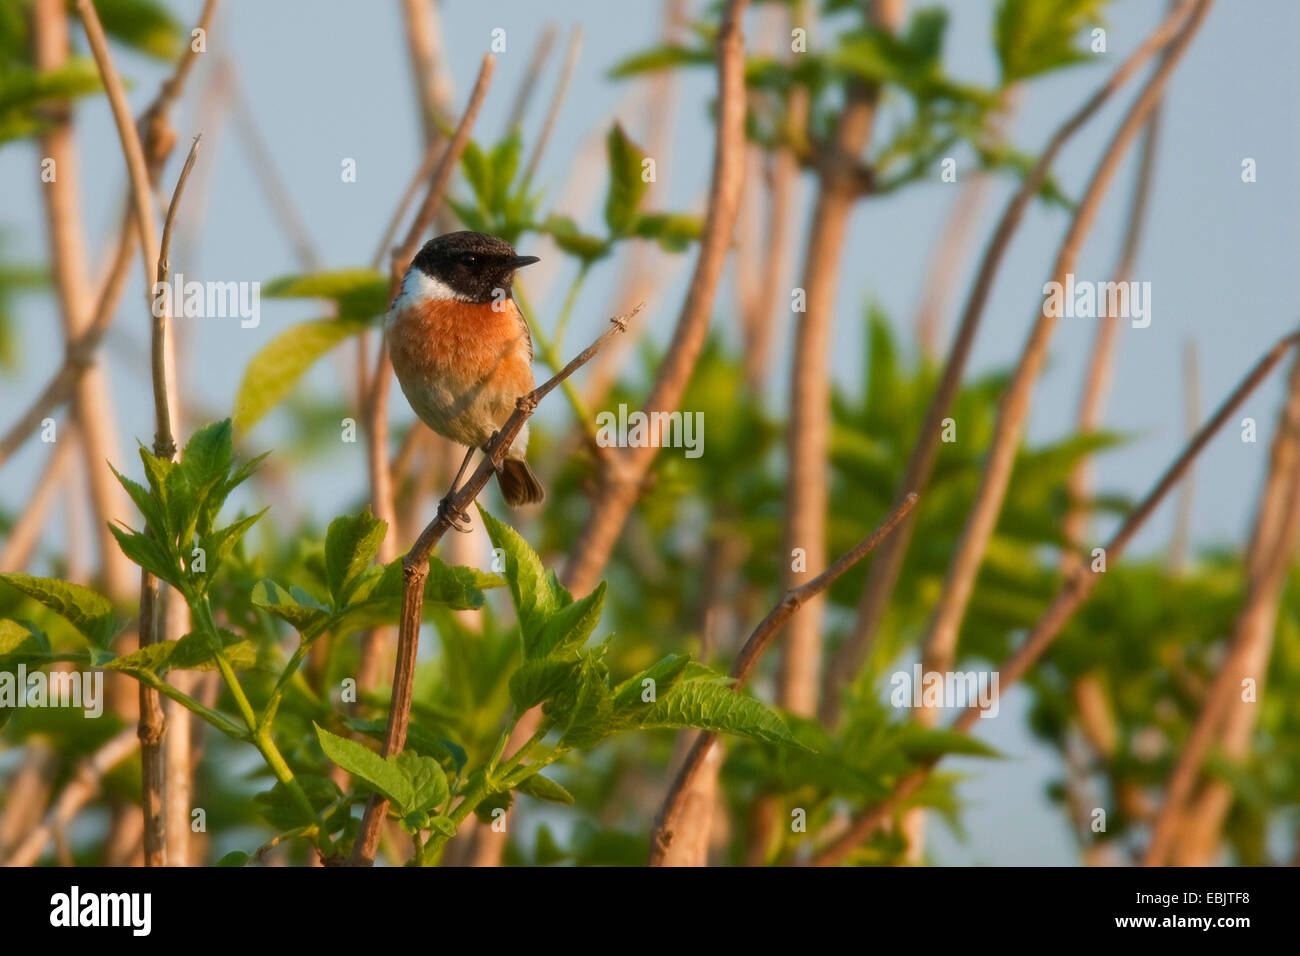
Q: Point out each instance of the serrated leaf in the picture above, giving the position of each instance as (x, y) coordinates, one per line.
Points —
(380, 775)
(275, 600)
(427, 780)
(274, 370)
(88, 612)
(539, 680)
(665, 673)
(534, 599)
(351, 543)
(20, 643)
(568, 628)
(148, 554)
(711, 705)
(589, 720)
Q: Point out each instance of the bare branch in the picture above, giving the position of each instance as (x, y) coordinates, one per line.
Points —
(1067, 600)
(697, 760)
(622, 477)
(886, 566)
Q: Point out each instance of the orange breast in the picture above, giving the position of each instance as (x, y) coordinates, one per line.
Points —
(459, 342)
(463, 365)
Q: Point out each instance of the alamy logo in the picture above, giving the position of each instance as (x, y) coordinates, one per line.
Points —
(657, 430)
(945, 689)
(209, 300)
(84, 689)
(1091, 300)
(133, 910)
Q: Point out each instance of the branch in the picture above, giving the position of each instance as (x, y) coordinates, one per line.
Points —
(1269, 557)
(415, 568)
(941, 641)
(622, 477)
(1068, 599)
(671, 814)
(557, 101)
(884, 571)
(80, 352)
(80, 790)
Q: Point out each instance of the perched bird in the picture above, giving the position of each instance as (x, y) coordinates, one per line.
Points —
(461, 348)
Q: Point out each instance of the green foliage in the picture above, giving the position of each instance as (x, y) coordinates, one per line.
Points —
(180, 543)
(24, 91)
(143, 25)
(1032, 37)
(90, 613)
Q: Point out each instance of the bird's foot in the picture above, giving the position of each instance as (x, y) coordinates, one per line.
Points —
(458, 520)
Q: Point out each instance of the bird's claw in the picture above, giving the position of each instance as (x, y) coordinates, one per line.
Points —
(458, 520)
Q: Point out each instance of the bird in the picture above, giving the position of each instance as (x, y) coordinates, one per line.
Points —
(461, 350)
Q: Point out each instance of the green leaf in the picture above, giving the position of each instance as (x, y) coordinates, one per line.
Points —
(20, 643)
(221, 543)
(24, 90)
(191, 652)
(283, 812)
(543, 788)
(351, 543)
(660, 58)
(1035, 36)
(590, 718)
(143, 25)
(307, 620)
(444, 825)
(358, 293)
(627, 188)
(427, 780)
(665, 673)
(150, 555)
(458, 587)
(274, 371)
(88, 612)
(233, 858)
(568, 629)
(711, 705)
(539, 680)
(382, 776)
(534, 599)
(922, 743)
(673, 231)
(573, 240)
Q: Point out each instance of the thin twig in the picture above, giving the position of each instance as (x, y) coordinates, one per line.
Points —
(623, 475)
(415, 568)
(885, 567)
(1067, 600)
(759, 641)
(79, 791)
(1269, 557)
(557, 101)
(528, 83)
(941, 641)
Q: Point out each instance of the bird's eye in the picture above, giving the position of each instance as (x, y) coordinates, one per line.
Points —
(468, 260)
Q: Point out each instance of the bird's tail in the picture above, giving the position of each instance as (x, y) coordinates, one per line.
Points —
(519, 485)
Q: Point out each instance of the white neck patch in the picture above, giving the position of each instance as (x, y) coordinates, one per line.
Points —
(419, 287)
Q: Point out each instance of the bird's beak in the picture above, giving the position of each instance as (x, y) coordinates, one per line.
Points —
(521, 261)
